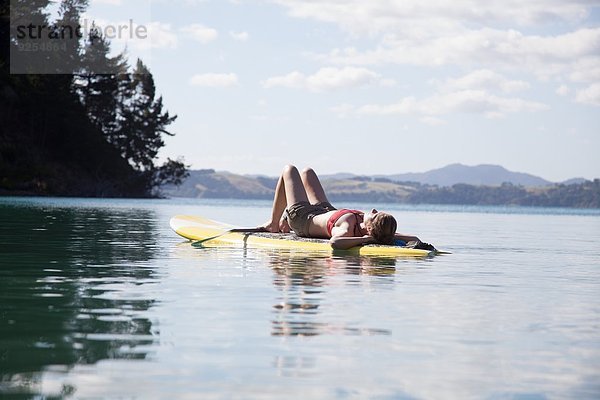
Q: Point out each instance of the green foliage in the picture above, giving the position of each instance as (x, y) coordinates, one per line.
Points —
(143, 122)
(583, 195)
(171, 172)
(85, 134)
(100, 93)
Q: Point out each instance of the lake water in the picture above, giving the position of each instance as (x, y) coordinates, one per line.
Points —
(100, 299)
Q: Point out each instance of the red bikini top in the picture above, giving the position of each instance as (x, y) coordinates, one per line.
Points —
(338, 214)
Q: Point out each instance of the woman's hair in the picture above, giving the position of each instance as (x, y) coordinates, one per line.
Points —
(383, 228)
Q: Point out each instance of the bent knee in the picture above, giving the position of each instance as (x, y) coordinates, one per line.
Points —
(288, 169)
(308, 171)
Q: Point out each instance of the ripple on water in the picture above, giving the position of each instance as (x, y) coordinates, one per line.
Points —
(96, 297)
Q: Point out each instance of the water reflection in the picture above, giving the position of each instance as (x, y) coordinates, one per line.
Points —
(62, 278)
(303, 281)
(295, 366)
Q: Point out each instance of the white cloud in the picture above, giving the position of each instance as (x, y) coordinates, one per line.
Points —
(562, 90)
(292, 80)
(200, 33)
(484, 79)
(214, 80)
(326, 79)
(589, 95)
(433, 121)
(195, 2)
(239, 36)
(161, 35)
(467, 33)
(189, 3)
(464, 101)
(360, 17)
(471, 93)
(544, 56)
(269, 118)
(586, 69)
(109, 2)
(343, 110)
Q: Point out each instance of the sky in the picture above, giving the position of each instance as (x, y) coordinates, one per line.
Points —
(373, 87)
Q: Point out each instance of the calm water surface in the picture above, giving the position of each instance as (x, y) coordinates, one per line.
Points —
(99, 299)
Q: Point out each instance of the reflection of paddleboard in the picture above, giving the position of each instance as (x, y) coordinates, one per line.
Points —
(198, 228)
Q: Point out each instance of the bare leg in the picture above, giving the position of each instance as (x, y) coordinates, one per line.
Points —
(312, 186)
(294, 187)
(289, 190)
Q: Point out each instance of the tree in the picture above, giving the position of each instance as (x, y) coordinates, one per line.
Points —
(123, 105)
(143, 121)
(90, 126)
(142, 126)
(100, 82)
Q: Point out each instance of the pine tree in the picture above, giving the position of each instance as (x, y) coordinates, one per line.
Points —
(66, 28)
(124, 106)
(99, 84)
(142, 128)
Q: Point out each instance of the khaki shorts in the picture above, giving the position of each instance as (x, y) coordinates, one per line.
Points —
(301, 214)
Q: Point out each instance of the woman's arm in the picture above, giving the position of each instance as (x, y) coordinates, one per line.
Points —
(346, 242)
(342, 238)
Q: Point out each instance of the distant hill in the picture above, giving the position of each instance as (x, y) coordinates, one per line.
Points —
(339, 175)
(209, 183)
(574, 181)
(485, 174)
(478, 175)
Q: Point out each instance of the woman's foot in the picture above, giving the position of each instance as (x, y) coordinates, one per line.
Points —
(281, 227)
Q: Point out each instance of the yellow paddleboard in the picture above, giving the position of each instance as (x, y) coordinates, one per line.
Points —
(198, 228)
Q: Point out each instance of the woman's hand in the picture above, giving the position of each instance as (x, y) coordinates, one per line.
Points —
(368, 239)
(284, 226)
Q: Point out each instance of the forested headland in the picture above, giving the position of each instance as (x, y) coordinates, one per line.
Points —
(81, 133)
